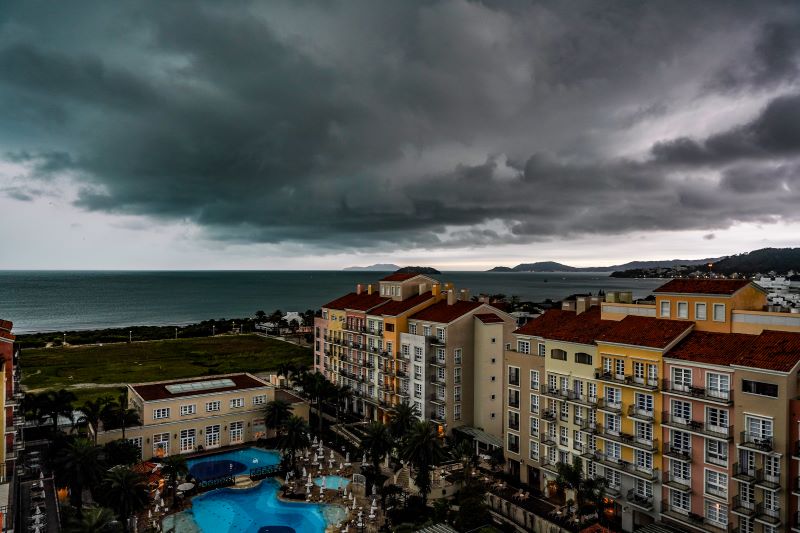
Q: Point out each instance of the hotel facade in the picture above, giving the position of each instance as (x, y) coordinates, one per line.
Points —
(190, 415)
(686, 406)
(412, 340)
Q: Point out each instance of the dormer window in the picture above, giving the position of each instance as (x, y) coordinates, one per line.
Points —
(664, 308)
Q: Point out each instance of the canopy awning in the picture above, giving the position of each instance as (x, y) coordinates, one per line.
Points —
(481, 436)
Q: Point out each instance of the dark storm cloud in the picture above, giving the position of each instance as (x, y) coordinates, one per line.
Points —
(421, 124)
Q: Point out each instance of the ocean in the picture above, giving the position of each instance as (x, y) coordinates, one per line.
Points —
(76, 300)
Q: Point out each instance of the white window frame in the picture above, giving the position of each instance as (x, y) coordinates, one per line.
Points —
(260, 399)
(188, 409)
(714, 312)
(161, 442)
(697, 307)
(213, 406)
(665, 304)
(682, 310)
(236, 403)
(161, 413)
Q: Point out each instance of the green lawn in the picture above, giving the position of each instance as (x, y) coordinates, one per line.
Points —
(155, 360)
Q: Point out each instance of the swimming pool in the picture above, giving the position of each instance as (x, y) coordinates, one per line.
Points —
(231, 463)
(332, 482)
(258, 510)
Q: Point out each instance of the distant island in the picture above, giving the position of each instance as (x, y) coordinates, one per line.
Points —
(552, 266)
(417, 270)
(378, 267)
(763, 261)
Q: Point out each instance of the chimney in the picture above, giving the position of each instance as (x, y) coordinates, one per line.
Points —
(451, 297)
(582, 303)
(359, 288)
(464, 295)
(370, 288)
(568, 305)
(436, 290)
(422, 287)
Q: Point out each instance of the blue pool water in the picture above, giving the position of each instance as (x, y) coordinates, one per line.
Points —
(258, 510)
(333, 482)
(231, 463)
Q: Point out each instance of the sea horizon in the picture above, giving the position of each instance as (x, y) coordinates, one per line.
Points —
(72, 300)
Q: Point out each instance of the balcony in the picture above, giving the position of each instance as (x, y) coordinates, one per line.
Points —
(767, 515)
(436, 380)
(640, 414)
(549, 415)
(437, 418)
(574, 397)
(590, 427)
(677, 483)
(437, 398)
(767, 481)
(743, 507)
(756, 442)
(650, 384)
(355, 328)
(684, 516)
(696, 427)
(564, 417)
(650, 445)
(745, 474)
(644, 503)
(679, 454)
(549, 464)
(716, 492)
(547, 439)
(433, 339)
(724, 397)
(626, 467)
(609, 406)
(555, 392)
(435, 361)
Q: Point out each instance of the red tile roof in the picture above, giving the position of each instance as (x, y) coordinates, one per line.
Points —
(443, 313)
(7, 335)
(401, 276)
(6, 324)
(771, 350)
(394, 308)
(560, 325)
(158, 391)
(703, 286)
(286, 396)
(358, 302)
(645, 331)
(711, 348)
(488, 318)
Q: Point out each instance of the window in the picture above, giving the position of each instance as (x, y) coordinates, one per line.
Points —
(513, 376)
(237, 432)
(457, 394)
(417, 353)
(534, 380)
(643, 431)
(700, 311)
(643, 489)
(681, 411)
(563, 438)
(717, 513)
(612, 424)
(457, 374)
(643, 460)
(680, 501)
(583, 358)
(533, 448)
(513, 398)
(619, 368)
(212, 436)
(644, 403)
(683, 310)
(534, 404)
(716, 483)
(561, 355)
(719, 312)
(760, 388)
(188, 409)
(523, 347)
(681, 441)
(417, 390)
(440, 334)
(159, 414)
(260, 399)
(681, 379)
(716, 452)
(212, 406)
(664, 308)
(606, 365)
(717, 420)
(613, 479)
(718, 385)
(187, 440)
(760, 428)
(417, 372)
(772, 468)
(457, 356)
(513, 420)
(513, 443)
(682, 472)
(412, 328)
(534, 426)
(237, 402)
(405, 350)
(161, 444)
(426, 331)
(457, 411)
(137, 441)
(541, 349)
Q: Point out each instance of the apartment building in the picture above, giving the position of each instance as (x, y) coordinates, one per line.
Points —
(10, 420)
(185, 416)
(416, 341)
(646, 397)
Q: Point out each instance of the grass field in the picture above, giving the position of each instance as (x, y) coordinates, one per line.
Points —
(154, 361)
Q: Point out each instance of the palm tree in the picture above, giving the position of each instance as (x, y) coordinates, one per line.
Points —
(464, 452)
(34, 406)
(95, 520)
(276, 413)
(571, 477)
(80, 466)
(173, 467)
(91, 412)
(342, 396)
(318, 389)
(403, 418)
(377, 443)
(115, 414)
(59, 403)
(295, 437)
(423, 450)
(125, 492)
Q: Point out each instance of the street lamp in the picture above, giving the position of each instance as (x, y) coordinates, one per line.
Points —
(130, 336)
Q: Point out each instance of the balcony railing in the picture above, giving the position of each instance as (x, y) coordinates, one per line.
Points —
(627, 467)
(547, 439)
(435, 361)
(612, 406)
(631, 381)
(700, 393)
(639, 500)
(745, 473)
(642, 414)
(573, 396)
(591, 427)
(682, 515)
(757, 441)
(695, 426)
(767, 514)
(676, 482)
(743, 507)
(714, 491)
(435, 379)
(440, 419)
(564, 417)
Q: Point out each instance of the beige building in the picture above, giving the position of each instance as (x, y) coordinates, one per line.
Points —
(190, 415)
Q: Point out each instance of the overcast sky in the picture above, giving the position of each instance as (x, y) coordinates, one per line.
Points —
(458, 134)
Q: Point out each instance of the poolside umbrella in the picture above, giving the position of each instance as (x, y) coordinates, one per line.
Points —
(323, 482)
(315, 440)
(331, 456)
(38, 511)
(41, 475)
(374, 489)
(364, 458)
(354, 504)
(347, 459)
(185, 487)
